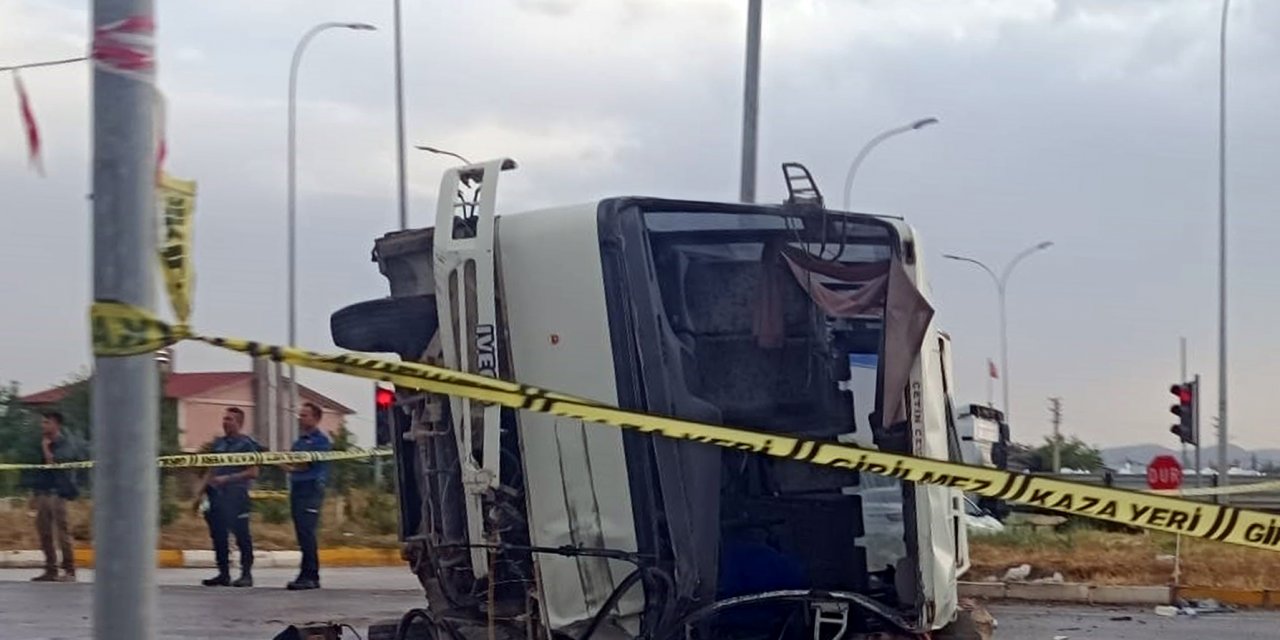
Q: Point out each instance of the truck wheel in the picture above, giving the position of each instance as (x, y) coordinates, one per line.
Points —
(418, 630)
(402, 326)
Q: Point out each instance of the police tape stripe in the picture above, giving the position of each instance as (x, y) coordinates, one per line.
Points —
(226, 459)
(177, 204)
(1137, 509)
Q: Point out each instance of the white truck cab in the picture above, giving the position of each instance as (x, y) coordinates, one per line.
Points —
(790, 318)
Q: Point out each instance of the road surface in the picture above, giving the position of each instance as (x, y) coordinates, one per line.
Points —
(358, 596)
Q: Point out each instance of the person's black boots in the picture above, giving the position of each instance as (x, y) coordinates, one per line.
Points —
(303, 584)
(220, 580)
(245, 580)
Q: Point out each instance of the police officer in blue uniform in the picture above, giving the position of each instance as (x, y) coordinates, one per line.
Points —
(306, 495)
(227, 489)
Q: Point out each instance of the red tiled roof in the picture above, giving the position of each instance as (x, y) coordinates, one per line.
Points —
(186, 385)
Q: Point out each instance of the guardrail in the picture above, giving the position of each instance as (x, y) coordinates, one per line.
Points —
(1265, 500)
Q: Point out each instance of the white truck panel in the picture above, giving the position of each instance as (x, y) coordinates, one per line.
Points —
(559, 340)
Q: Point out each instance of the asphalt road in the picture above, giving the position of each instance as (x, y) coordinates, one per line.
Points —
(359, 596)
(1047, 622)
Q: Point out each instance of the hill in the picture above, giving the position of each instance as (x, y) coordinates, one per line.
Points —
(1143, 453)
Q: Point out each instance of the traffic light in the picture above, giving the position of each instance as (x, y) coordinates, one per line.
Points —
(384, 401)
(1188, 399)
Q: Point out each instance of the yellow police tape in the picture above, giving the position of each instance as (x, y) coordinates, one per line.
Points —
(226, 459)
(178, 203)
(121, 330)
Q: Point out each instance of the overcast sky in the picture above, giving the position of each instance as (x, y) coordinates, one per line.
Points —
(1091, 123)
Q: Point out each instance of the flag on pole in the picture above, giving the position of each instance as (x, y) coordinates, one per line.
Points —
(28, 124)
(991, 369)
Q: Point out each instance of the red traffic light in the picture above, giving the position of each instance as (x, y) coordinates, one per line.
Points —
(1183, 391)
(384, 398)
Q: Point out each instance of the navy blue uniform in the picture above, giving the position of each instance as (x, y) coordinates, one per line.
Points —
(306, 495)
(229, 506)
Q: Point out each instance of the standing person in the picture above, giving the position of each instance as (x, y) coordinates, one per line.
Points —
(306, 495)
(227, 489)
(50, 491)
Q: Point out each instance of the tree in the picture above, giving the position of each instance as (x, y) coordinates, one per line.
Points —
(1074, 454)
(77, 408)
(18, 435)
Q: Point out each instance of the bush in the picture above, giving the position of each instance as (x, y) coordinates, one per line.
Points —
(170, 505)
(272, 510)
(380, 514)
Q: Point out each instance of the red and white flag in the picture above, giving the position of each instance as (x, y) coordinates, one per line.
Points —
(29, 124)
(991, 369)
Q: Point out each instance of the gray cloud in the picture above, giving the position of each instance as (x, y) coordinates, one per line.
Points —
(1087, 122)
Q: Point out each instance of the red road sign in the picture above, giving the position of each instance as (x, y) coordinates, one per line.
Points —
(1164, 473)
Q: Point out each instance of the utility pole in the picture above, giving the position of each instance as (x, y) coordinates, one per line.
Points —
(1222, 249)
(1199, 478)
(125, 389)
(751, 104)
(1055, 408)
(1182, 378)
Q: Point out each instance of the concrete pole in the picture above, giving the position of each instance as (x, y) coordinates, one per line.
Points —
(1055, 407)
(125, 407)
(1199, 478)
(1222, 251)
(1182, 379)
(751, 104)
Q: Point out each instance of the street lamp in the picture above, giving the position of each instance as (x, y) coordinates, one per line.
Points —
(293, 189)
(1001, 281)
(1222, 248)
(442, 152)
(871, 144)
(751, 104)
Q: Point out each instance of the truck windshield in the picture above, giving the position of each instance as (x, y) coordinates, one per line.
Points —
(761, 347)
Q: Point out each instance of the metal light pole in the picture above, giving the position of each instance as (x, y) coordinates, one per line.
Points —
(442, 152)
(751, 104)
(293, 191)
(1002, 281)
(125, 390)
(401, 193)
(872, 144)
(1222, 248)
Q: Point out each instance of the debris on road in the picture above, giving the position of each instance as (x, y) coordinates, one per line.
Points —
(1018, 573)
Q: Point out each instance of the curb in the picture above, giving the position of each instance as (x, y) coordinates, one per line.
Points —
(1073, 592)
(203, 559)
(1081, 593)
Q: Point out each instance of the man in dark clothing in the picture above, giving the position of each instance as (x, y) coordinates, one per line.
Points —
(306, 495)
(227, 490)
(50, 491)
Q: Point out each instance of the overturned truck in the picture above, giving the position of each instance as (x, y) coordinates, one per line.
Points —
(792, 318)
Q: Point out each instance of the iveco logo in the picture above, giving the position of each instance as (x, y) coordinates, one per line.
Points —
(486, 351)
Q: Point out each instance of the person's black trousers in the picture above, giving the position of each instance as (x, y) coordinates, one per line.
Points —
(228, 514)
(305, 500)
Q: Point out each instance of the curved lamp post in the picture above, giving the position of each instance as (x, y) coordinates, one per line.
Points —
(1002, 281)
(871, 144)
(293, 188)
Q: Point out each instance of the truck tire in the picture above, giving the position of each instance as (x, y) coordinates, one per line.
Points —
(403, 326)
(386, 630)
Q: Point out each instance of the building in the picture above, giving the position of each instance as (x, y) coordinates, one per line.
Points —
(201, 398)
